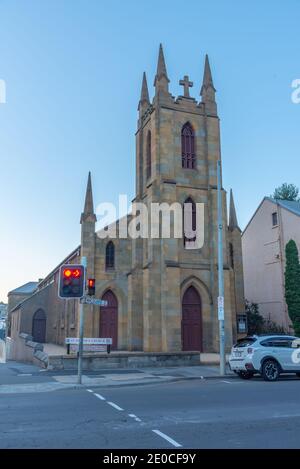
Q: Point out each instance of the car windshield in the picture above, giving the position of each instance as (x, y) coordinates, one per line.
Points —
(246, 342)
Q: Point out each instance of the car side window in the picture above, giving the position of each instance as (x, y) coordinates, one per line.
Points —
(267, 343)
(282, 343)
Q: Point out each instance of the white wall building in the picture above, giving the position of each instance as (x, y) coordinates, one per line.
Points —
(273, 224)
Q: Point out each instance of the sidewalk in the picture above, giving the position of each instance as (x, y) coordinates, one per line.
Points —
(45, 381)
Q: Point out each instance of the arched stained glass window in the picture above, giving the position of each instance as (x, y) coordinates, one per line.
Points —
(188, 147)
(148, 155)
(189, 222)
(110, 255)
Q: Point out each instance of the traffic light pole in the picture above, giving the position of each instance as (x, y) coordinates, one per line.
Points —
(81, 331)
(220, 274)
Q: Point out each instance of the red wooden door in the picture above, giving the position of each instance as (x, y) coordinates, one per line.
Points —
(191, 324)
(109, 319)
(39, 326)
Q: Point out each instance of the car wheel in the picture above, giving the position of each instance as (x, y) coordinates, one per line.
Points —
(245, 374)
(270, 370)
(298, 374)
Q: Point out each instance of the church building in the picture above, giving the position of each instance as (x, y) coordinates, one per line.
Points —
(162, 296)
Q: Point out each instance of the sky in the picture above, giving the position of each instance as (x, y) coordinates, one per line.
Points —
(73, 71)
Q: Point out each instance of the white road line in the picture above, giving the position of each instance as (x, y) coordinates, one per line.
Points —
(114, 405)
(166, 437)
(89, 390)
(133, 416)
(224, 381)
(25, 374)
(100, 397)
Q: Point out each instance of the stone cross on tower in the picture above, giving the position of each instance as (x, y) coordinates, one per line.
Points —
(186, 84)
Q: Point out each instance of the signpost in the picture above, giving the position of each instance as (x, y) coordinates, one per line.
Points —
(72, 285)
(90, 344)
(220, 274)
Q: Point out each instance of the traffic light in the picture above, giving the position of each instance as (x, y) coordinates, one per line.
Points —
(91, 286)
(71, 281)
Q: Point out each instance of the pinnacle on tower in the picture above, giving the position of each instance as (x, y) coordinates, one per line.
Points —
(161, 73)
(208, 90)
(233, 224)
(88, 204)
(207, 77)
(144, 100)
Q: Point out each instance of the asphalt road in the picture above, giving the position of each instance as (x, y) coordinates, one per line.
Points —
(193, 414)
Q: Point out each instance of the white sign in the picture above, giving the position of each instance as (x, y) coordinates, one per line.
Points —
(221, 308)
(220, 301)
(88, 300)
(88, 348)
(89, 341)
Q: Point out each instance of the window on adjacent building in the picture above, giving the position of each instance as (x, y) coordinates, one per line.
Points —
(274, 219)
(110, 255)
(148, 155)
(188, 147)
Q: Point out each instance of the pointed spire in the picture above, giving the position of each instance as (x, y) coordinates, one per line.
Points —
(232, 214)
(88, 204)
(144, 100)
(207, 77)
(161, 67)
(208, 90)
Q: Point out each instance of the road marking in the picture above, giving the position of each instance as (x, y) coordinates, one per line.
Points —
(25, 374)
(224, 381)
(100, 397)
(114, 405)
(166, 437)
(89, 390)
(133, 416)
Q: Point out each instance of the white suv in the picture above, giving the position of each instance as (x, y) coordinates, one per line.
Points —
(269, 355)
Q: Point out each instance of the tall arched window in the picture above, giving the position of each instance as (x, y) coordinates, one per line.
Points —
(231, 254)
(110, 255)
(189, 223)
(188, 147)
(148, 155)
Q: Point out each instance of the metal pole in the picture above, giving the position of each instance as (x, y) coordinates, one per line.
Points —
(220, 274)
(81, 330)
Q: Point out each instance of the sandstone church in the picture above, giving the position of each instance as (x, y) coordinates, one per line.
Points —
(162, 297)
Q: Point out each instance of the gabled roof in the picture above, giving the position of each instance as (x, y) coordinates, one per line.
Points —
(290, 205)
(26, 289)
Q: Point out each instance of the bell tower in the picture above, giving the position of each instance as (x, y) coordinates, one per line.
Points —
(177, 149)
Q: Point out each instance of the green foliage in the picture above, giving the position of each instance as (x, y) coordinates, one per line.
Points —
(286, 192)
(259, 325)
(292, 284)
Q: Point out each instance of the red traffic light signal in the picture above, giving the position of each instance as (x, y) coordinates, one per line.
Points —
(91, 286)
(71, 281)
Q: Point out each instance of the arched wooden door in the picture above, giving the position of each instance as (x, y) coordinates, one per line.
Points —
(109, 319)
(39, 326)
(191, 324)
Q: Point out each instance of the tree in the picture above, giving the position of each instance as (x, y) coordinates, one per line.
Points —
(257, 324)
(292, 284)
(286, 192)
(255, 321)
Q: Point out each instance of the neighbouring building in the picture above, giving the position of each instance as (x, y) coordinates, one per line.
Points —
(3, 311)
(273, 224)
(162, 296)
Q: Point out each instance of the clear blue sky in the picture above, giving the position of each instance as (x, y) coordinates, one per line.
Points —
(73, 72)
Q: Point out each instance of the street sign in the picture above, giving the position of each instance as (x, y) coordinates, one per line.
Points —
(90, 344)
(88, 300)
(89, 341)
